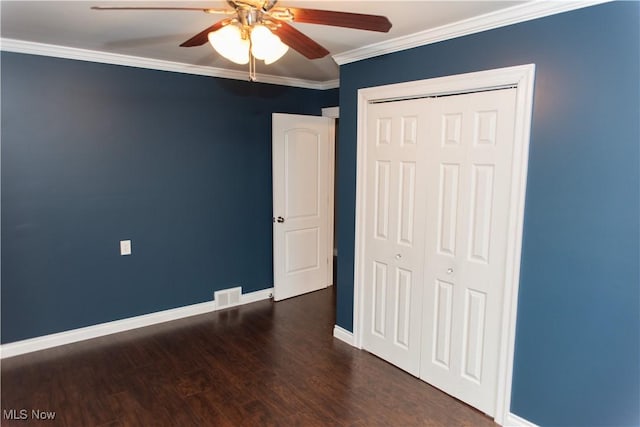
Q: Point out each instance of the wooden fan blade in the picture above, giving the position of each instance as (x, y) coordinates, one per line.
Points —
(341, 19)
(299, 42)
(203, 36)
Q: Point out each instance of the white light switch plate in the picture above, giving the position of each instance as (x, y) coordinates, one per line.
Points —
(125, 247)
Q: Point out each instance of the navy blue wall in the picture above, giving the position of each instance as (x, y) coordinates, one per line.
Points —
(577, 348)
(94, 153)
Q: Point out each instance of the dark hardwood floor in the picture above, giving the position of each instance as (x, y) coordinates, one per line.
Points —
(261, 364)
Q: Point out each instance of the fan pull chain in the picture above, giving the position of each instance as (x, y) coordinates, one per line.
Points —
(252, 63)
(252, 68)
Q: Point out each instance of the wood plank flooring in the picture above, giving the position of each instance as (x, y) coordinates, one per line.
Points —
(262, 364)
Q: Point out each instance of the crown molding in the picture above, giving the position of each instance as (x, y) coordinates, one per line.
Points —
(33, 48)
(488, 21)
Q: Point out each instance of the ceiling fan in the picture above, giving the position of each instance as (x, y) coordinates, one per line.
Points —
(257, 29)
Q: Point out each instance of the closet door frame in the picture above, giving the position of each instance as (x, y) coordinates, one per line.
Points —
(522, 79)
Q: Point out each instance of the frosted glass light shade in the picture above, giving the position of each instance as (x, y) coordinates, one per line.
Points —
(228, 42)
(265, 45)
(277, 53)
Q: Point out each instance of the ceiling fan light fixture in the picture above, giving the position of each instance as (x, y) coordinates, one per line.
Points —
(255, 29)
(265, 45)
(228, 42)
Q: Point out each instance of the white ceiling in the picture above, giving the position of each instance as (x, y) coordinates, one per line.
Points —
(157, 34)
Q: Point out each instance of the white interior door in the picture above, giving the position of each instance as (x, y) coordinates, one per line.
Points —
(469, 167)
(394, 233)
(301, 255)
(437, 207)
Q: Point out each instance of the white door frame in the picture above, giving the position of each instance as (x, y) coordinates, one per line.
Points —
(520, 77)
(333, 113)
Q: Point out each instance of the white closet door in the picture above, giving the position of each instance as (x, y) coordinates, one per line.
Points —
(437, 204)
(469, 168)
(394, 232)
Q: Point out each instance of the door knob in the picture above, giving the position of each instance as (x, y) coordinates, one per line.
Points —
(398, 256)
(280, 219)
(449, 270)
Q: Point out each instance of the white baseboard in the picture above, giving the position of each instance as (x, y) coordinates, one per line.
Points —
(108, 328)
(256, 296)
(512, 420)
(343, 335)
